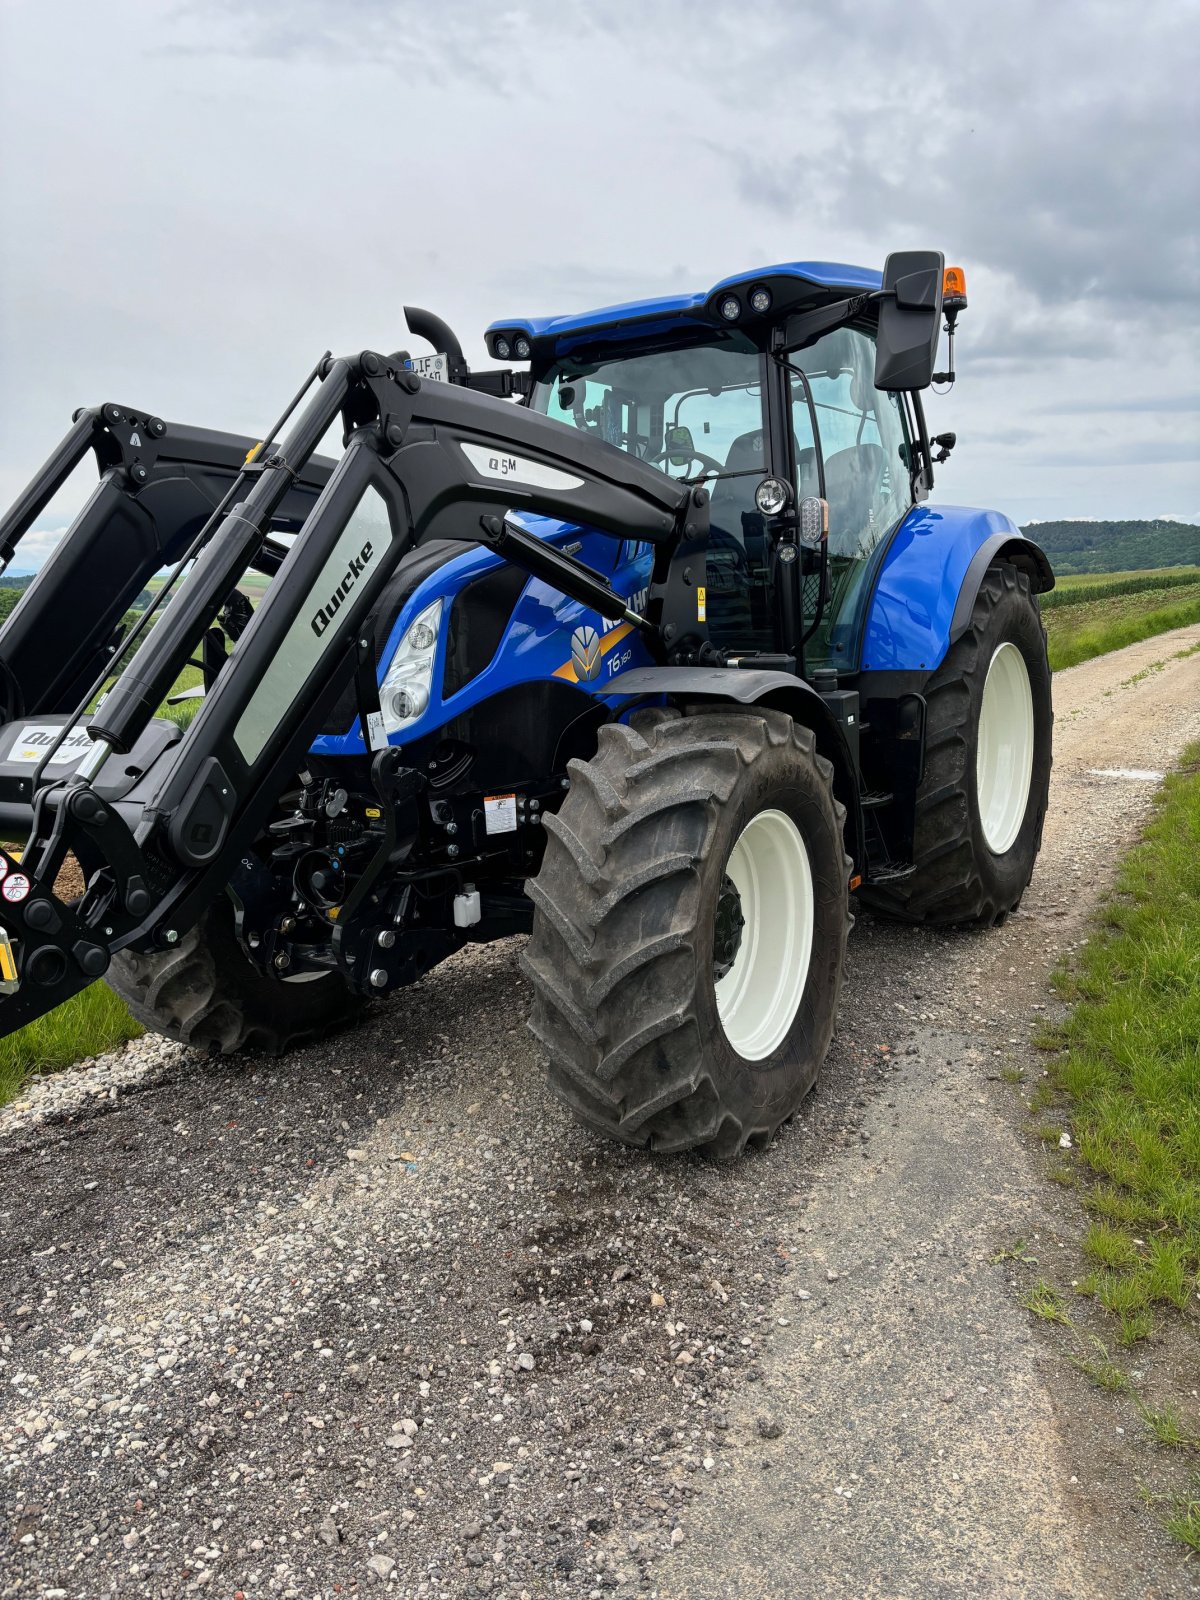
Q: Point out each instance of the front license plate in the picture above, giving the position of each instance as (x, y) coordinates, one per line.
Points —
(432, 368)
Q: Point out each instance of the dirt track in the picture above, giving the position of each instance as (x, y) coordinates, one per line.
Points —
(381, 1318)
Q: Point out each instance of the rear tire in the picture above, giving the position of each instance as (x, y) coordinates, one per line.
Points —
(678, 826)
(204, 993)
(988, 735)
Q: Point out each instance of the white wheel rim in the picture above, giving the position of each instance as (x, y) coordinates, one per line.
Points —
(1004, 749)
(758, 998)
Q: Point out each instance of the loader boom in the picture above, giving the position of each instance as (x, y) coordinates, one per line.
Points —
(159, 483)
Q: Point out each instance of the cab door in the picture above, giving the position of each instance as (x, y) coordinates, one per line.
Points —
(861, 441)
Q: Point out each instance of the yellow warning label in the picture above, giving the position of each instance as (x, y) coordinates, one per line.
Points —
(701, 603)
(8, 967)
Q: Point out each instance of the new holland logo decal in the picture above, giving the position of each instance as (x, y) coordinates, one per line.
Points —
(589, 650)
(586, 653)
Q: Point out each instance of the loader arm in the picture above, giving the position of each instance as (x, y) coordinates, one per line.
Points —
(422, 461)
(159, 483)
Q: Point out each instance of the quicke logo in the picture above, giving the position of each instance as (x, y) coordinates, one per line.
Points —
(326, 613)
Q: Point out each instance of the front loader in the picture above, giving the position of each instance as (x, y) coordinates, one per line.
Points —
(658, 665)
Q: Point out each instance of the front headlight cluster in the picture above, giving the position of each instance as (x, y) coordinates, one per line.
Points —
(404, 693)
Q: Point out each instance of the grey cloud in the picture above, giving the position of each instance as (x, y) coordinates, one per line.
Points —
(218, 197)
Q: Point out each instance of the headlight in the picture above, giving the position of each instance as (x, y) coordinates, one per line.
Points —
(771, 496)
(760, 299)
(522, 349)
(404, 693)
(502, 347)
(730, 308)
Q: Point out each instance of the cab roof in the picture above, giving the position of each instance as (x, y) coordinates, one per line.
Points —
(790, 283)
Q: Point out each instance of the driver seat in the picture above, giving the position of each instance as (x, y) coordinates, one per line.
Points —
(732, 496)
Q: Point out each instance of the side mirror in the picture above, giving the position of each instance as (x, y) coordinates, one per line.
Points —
(909, 314)
(680, 446)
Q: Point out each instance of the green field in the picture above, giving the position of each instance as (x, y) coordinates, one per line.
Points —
(1075, 589)
(1129, 608)
(1089, 580)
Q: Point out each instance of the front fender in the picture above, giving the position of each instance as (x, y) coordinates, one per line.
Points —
(928, 581)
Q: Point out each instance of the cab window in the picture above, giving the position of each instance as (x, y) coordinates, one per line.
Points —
(863, 447)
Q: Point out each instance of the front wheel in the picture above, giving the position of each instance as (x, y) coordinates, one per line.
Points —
(690, 929)
(204, 992)
(982, 801)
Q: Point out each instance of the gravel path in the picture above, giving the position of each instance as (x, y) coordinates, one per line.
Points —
(379, 1317)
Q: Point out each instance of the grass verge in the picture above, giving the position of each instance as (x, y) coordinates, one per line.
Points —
(86, 1025)
(1127, 1070)
(1078, 632)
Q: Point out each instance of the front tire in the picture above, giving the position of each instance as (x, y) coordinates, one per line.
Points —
(667, 1024)
(205, 993)
(988, 735)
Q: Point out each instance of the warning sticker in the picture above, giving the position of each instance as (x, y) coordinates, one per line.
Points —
(376, 731)
(15, 887)
(701, 603)
(500, 813)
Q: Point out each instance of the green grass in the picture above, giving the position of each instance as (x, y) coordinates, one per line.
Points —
(1127, 1070)
(1044, 1300)
(1167, 1426)
(1094, 627)
(1100, 1369)
(1184, 1520)
(86, 1025)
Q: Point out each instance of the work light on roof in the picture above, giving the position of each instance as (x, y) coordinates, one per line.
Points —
(503, 348)
(730, 308)
(522, 349)
(760, 299)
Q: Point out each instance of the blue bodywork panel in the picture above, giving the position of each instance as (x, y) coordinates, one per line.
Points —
(673, 307)
(909, 615)
(907, 627)
(537, 641)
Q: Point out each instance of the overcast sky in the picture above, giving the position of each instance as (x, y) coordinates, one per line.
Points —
(198, 197)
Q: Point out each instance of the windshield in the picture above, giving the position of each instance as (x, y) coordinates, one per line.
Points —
(691, 411)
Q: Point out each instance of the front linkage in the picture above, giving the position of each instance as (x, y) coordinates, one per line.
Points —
(421, 461)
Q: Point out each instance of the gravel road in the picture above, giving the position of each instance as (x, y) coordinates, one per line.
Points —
(379, 1318)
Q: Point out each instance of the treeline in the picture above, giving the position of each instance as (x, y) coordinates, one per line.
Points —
(1079, 594)
(1116, 546)
(13, 589)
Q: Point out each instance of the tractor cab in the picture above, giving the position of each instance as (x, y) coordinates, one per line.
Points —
(763, 391)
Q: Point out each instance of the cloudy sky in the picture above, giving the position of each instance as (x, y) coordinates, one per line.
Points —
(199, 196)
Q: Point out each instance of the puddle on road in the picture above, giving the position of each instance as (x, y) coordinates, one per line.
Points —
(1137, 774)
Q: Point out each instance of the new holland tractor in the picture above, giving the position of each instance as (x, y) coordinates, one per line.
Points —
(653, 649)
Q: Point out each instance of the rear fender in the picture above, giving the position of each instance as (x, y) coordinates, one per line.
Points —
(780, 691)
(929, 579)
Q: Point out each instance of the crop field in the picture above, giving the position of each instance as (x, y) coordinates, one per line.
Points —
(1089, 616)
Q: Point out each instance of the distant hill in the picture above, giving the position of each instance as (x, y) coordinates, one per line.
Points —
(1116, 546)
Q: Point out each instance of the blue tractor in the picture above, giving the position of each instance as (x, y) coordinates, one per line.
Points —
(653, 649)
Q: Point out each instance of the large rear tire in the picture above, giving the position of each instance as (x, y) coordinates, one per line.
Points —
(690, 926)
(203, 992)
(988, 735)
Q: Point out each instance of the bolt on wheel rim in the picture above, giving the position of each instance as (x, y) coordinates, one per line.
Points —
(1004, 748)
(759, 996)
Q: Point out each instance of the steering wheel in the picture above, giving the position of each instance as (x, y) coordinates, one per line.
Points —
(709, 463)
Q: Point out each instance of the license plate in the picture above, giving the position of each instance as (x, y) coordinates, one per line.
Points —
(432, 368)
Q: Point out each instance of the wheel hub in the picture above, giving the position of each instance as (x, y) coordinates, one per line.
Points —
(727, 935)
